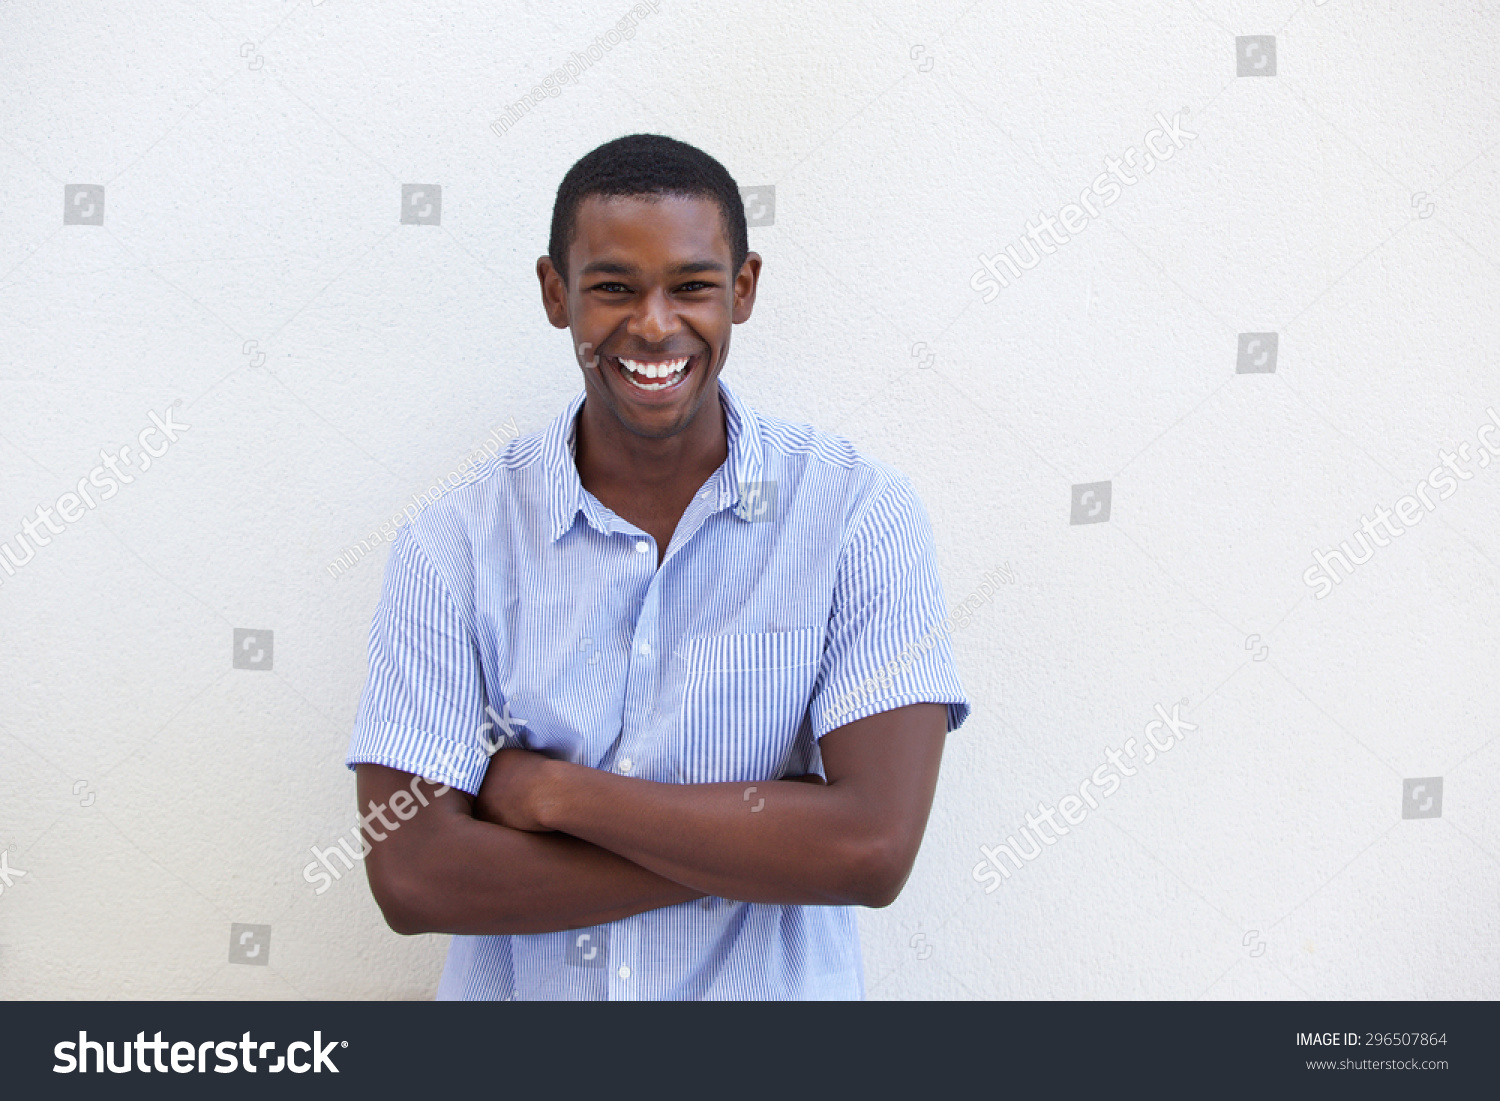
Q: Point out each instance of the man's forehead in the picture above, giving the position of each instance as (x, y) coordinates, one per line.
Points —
(630, 229)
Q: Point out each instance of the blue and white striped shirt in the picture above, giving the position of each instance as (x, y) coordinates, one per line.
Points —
(799, 592)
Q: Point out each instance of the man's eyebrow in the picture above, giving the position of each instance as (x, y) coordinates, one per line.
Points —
(687, 267)
(694, 267)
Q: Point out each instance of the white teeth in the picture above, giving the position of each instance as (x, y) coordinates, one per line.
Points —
(655, 370)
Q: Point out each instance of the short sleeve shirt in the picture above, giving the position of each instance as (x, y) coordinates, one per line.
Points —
(799, 592)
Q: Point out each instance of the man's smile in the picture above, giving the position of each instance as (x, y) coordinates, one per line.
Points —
(654, 374)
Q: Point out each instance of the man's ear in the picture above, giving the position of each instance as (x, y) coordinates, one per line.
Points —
(554, 292)
(745, 284)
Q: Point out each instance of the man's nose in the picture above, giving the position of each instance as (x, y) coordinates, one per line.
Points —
(654, 320)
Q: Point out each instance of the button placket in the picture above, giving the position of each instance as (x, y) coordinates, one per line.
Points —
(693, 518)
(642, 674)
(624, 943)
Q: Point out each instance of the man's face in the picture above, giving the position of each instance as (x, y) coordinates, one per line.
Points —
(650, 301)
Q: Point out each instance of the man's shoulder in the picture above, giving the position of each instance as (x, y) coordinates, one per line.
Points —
(456, 505)
(826, 460)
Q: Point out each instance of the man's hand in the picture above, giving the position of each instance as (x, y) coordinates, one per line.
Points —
(509, 795)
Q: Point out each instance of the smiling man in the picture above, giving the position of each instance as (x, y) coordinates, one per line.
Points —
(659, 598)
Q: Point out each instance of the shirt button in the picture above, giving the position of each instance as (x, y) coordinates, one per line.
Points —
(626, 765)
(642, 547)
(645, 648)
(624, 972)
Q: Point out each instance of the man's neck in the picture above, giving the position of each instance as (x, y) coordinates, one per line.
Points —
(616, 463)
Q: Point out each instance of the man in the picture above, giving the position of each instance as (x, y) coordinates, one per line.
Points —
(707, 636)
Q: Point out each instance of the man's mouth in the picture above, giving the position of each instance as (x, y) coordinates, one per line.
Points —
(658, 373)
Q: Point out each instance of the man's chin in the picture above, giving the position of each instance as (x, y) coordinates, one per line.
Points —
(657, 414)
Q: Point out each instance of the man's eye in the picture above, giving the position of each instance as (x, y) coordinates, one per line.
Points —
(612, 288)
(697, 285)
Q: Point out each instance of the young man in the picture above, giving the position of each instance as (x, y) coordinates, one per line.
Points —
(713, 637)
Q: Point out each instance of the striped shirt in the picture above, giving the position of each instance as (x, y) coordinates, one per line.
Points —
(799, 592)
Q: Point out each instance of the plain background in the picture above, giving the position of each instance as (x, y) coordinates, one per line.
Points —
(253, 156)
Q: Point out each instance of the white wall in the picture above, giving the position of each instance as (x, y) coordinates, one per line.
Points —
(1347, 204)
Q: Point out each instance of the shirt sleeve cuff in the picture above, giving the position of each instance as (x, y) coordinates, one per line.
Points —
(435, 757)
(825, 720)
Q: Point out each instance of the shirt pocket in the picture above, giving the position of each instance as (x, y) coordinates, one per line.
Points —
(744, 700)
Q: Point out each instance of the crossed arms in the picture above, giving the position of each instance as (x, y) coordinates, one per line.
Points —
(548, 845)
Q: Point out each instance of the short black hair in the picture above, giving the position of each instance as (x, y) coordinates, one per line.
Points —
(646, 164)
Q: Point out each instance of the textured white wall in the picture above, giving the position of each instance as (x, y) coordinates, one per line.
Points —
(253, 156)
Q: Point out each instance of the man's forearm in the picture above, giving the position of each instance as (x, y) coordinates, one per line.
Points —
(492, 880)
(774, 842)
(446, 871)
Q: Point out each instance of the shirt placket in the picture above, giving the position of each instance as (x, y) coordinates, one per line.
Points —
(643, 682)
(642, 678)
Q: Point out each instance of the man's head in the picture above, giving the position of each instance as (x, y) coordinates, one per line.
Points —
(648, 264)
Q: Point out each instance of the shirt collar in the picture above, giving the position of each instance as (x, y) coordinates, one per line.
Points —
(742, 471)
